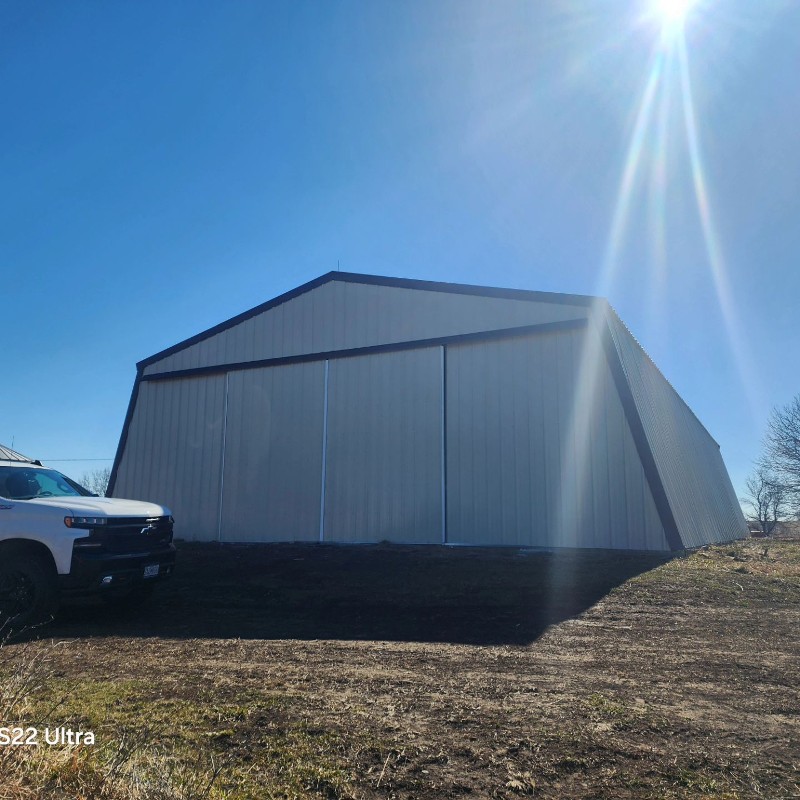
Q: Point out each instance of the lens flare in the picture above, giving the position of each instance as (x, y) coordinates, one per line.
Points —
(716, 261)
(669, 73)
(674, 12)
(625, 194)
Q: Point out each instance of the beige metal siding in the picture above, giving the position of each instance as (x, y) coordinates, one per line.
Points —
(339, 315)
(384, 448)
(688, 459)
(273, 454)
(517, 471)
(173, 453)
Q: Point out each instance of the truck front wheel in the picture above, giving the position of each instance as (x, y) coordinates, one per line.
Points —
(28, 592)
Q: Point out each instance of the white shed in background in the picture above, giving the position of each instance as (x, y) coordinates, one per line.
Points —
(359, 408)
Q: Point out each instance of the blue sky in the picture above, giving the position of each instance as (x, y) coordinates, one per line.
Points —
(168, 165)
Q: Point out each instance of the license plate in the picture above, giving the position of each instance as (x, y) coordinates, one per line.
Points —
(151, 571)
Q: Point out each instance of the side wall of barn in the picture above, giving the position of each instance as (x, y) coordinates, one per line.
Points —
(689, 463)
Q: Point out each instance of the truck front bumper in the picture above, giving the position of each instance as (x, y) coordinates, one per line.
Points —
(98, 572)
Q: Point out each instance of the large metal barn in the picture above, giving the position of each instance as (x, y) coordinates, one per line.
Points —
(359, 408)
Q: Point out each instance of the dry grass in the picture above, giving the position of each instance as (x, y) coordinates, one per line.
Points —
(402, 673)
(132, 768)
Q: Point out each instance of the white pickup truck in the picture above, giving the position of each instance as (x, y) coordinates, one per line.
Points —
(57, 538)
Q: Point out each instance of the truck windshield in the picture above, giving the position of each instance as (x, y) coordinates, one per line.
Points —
(27, 483)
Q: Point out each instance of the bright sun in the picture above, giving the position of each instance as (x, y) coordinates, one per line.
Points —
(673, 12)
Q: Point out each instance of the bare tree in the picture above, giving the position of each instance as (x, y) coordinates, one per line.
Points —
(96, 481)
(782, 450)
(766, 498)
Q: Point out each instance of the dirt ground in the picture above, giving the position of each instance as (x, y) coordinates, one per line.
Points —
(394, 672)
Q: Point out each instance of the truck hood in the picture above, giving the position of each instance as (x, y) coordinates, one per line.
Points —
(104, 506)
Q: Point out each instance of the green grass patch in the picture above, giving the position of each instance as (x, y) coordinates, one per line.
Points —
(148, 746)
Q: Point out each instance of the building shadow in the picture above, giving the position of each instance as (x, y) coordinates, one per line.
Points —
(365, 592)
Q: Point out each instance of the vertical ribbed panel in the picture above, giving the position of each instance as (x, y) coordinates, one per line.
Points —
(273, 454)
(688, 460)
(518, 471)
(173, 453)
(384, 448)
(341, 315)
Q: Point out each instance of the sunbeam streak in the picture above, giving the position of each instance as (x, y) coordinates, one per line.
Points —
(575, 449)
(630, 170)
(647, 150)
(658, 195)
(575, 476)
(650, 141)
(732, 320)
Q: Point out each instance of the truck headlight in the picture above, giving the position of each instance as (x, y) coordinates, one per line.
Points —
(84, 522)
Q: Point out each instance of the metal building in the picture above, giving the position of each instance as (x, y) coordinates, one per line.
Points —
(359, 408)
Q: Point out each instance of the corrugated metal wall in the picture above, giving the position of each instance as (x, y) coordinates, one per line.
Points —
(517, 471)
(688, 459)
(273, 454)
(343, 315)
(173, 454)
(384, 447)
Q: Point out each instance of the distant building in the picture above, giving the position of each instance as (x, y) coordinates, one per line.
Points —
(359, 408)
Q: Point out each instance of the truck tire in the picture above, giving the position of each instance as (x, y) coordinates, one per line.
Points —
(28, 592)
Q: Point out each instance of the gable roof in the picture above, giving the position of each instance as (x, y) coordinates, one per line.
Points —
(375, 280)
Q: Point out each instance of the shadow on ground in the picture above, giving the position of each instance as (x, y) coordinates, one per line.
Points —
(371, 592)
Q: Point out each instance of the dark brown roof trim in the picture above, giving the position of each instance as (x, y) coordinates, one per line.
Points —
(415, 344)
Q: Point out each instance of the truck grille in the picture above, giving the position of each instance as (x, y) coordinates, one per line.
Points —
(128, 535)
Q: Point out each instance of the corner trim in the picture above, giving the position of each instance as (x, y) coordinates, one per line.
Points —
(640, 439)
(123, 438)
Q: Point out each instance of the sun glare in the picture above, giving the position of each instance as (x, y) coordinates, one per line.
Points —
(669, 75)
(673, 12)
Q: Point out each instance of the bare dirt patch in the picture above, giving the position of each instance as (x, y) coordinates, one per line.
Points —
(367, 672)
